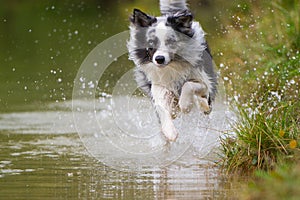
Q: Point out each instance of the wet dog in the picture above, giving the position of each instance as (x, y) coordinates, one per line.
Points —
(174, 65)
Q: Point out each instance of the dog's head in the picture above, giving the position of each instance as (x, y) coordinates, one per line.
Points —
(158, 39)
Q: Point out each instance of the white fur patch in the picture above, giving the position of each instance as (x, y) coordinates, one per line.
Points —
(162, 98)
(193, 93)
(175, 75)
(169, 76)
(161, 33)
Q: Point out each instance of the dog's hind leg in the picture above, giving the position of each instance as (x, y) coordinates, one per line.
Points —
(162, 99)
(192, 92)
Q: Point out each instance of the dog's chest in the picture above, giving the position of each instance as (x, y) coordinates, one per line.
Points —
(171, 76)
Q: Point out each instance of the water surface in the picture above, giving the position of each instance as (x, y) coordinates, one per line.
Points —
(43, 157)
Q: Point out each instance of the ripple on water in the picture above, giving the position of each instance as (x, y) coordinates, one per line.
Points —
(123, 132)
(42, 150)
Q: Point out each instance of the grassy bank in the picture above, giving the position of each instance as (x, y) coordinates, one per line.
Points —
(261, 70)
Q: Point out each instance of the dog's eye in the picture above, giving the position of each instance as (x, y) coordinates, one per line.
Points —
(171, 42)
(151, 43)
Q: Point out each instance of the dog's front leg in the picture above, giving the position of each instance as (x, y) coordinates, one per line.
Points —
(189, 91)
(162, 99)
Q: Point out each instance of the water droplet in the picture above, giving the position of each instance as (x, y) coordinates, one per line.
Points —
(91, 84)
(81, 79)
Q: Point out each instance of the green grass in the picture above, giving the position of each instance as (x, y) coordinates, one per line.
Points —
(281, 183)
(263, 66)
(264, 135)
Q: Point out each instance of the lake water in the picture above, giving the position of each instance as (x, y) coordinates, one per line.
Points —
(45, 156)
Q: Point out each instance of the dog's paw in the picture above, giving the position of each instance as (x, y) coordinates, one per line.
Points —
(185, 105)
(170, 132)
(171, 136)
(203, 104)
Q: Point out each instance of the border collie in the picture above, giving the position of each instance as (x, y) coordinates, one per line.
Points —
(174, 65)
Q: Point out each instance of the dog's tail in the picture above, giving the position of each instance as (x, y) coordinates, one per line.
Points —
(169, 7)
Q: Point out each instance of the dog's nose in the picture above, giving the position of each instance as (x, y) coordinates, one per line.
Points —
(160, 59)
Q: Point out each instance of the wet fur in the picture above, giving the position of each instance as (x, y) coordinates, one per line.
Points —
(173, 62)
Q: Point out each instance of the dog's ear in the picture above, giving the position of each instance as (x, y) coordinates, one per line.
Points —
(140, 18)
(182, 22)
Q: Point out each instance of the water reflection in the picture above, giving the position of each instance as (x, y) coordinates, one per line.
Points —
(58, 167)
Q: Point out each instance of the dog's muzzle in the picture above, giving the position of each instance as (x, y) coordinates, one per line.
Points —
(160, 60)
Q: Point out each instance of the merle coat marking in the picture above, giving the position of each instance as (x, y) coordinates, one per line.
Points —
(173, 62)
